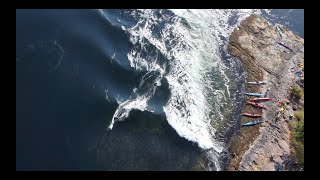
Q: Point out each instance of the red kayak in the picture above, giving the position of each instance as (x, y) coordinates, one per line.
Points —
(251, 115)
(260, 99)
(257, 105)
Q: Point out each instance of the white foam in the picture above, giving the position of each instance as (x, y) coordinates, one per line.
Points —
(107, 97)
(124, 108)
(135, 101)
(193, 53)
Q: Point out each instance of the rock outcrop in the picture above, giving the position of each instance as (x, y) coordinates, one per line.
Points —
(273, 54)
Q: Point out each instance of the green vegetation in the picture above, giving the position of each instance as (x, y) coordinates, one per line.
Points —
(296, 92)
(298, 138)
(299, 152)
(299, 129)
(299, 115)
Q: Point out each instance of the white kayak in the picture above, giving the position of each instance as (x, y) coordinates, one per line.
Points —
(257, 82)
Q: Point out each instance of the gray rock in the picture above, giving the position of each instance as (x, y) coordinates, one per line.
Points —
(263, 59)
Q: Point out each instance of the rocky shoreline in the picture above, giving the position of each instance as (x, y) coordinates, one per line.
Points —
(275, 55)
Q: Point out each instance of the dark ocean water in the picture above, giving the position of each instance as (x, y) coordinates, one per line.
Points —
(73, 70)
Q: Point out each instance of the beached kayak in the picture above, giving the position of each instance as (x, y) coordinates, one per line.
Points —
(282, 44)
(252, 123)
(260, 99)
(256, 105)
(251, 115)
(257, 82)
(255, 94)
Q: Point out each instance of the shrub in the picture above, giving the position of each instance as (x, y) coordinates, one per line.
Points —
(299, 115)
(298, 137)
(299, 152)
(296, 92)
(299, 131)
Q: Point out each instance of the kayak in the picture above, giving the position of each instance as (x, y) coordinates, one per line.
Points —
(256, 104)
(252, 123)
(260, 99)
(251, 115)
(282, 44)
(257, 82)
(255, 94)
(279, 32)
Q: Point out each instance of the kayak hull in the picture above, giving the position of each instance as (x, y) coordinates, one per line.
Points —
(256, 105)
(260, 99)
(252, 123)
(255, 94)
(257, 83)
(251, 115)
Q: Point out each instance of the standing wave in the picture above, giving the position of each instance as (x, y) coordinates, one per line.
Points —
(184, 47)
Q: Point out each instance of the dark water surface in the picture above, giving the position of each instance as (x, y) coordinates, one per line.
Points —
(62, 114)
(72, 70)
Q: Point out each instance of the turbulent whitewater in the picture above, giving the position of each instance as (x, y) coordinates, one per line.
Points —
(184, 47)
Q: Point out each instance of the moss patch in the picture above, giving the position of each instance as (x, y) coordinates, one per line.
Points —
(296, 92)
(297, 138)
